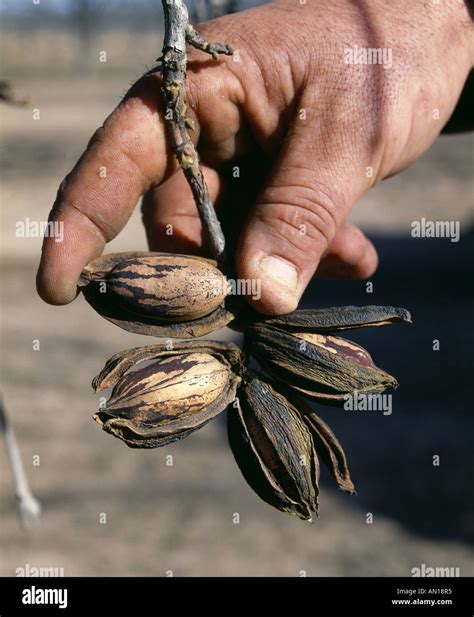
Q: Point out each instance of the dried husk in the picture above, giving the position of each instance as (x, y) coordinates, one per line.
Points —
(320, 366)
(178, 393)
(274, 450)
(326, 444)
(159, 294)
(337, 318)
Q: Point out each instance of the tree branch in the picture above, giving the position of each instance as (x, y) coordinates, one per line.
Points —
(178, 32)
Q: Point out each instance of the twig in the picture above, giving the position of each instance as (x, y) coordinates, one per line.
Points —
(28, 508)
(178, 32)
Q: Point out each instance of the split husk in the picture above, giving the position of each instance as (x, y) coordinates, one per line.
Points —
(165, 401)
(274, 449)
(159, 294)
(300, 350)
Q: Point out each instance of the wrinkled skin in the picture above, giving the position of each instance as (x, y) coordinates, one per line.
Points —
(303, 175)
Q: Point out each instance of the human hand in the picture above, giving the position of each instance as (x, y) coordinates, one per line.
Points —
(291, 100)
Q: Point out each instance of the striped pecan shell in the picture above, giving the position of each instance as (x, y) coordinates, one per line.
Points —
(177, 393)
(159, 294)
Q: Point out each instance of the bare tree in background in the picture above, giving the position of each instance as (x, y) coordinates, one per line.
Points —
(84, 15)
(202, 10)
(222, 7)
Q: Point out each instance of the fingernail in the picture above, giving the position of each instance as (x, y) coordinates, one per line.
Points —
(280, 279)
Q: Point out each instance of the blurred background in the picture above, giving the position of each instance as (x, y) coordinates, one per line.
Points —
(180, 518)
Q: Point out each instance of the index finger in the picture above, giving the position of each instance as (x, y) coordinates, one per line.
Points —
(123, 159)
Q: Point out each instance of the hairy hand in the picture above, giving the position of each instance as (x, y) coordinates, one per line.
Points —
(302, 123)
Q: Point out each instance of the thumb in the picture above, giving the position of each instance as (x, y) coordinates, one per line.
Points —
(315, 181)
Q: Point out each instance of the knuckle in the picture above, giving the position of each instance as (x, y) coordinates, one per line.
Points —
(97, 137)
(303, 213)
